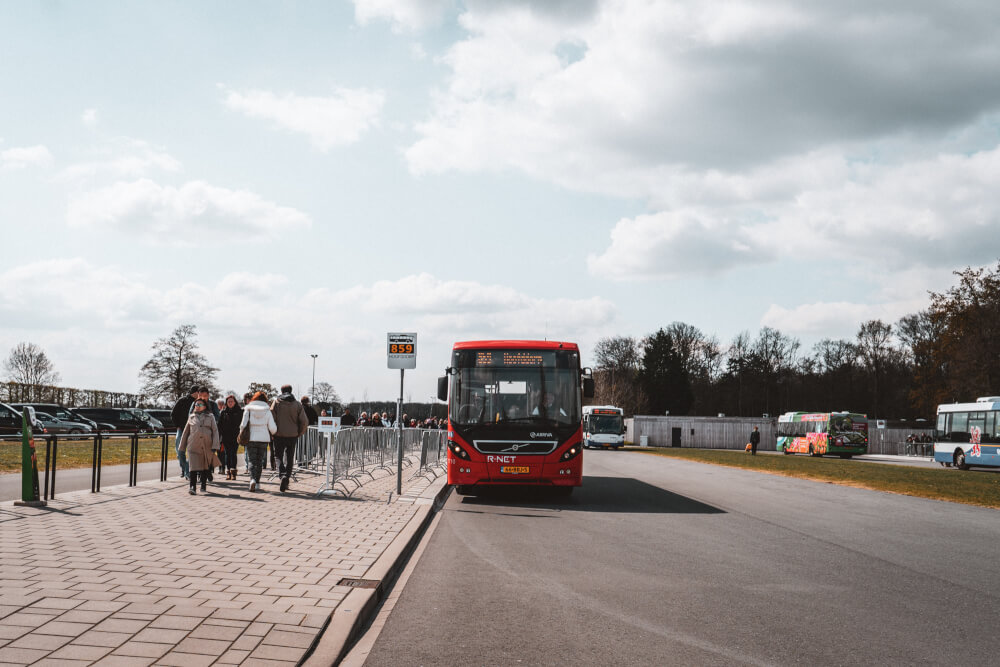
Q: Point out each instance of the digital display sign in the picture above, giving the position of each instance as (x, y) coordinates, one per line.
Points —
(606, 412)
(512, 358)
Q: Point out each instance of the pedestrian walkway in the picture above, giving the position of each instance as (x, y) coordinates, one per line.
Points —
(152, 575)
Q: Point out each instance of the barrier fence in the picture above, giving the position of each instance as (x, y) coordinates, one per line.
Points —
(355, 453)
(344, 460)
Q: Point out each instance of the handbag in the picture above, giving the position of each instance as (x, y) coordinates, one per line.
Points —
(244, 436)
(216, 463)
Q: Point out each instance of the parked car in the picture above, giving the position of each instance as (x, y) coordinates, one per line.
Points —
(59, 412)
(10, 421)
(119, 419)
(148, 418)
(164, 417)
(58, 426)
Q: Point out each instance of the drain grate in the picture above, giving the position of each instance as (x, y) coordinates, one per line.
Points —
(359, 583)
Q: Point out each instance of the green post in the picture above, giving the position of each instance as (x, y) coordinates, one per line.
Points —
(29, 465)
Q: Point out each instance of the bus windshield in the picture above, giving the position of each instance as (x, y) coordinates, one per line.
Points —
(605, 424)
(515, 386)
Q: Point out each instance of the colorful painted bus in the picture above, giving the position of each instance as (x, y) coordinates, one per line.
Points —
(514, 414)
(603, 426)
(968, 434)
(818, 433)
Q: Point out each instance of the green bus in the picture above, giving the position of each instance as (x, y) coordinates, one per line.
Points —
(818, 433)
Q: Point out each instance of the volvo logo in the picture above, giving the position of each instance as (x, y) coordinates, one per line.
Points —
(540, 435)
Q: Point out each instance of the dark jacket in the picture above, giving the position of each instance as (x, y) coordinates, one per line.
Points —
(289, 417)
(347, 419)
(180, 411)
(311, 414)
(755, 438)
(229, 425)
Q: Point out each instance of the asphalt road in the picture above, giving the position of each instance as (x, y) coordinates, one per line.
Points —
(657, 561)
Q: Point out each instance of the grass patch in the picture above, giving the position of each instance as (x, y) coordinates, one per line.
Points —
(970, 487)
(80, 453)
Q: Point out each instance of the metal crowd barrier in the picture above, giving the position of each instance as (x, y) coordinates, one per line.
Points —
(355, 453)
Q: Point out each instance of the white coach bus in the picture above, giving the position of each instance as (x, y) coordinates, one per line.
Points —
(968, 434)
(603, 426)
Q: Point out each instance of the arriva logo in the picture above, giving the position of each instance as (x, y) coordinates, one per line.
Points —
(540, 435)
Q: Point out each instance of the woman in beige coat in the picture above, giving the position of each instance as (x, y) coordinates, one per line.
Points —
(200, 440)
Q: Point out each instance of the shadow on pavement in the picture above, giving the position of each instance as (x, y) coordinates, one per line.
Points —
(598, 494)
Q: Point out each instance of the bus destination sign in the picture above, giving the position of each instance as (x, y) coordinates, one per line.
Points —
(402, 350)
(509, 358)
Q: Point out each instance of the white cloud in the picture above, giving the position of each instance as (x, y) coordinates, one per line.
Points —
(753, 131)
(251, 325)
(121, 157)
(89, 118)
(837, 319)
(20, 157)
(404, 15)
(172, 214)
(335, 120)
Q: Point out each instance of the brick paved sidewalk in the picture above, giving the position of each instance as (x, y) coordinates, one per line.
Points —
(152, 575)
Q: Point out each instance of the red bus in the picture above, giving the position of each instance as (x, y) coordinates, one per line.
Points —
(514, 414)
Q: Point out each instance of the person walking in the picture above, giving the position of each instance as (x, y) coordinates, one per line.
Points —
(292, 423)
(257, 415)
(179, 415)
(754, 441)
(310, 411)
(229, 429)
(200, 440)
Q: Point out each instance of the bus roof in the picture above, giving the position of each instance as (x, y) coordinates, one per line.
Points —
(515, 345)
(595, 408)
(978, 406)
(817, 416)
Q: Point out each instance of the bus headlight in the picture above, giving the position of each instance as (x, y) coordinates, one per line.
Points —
(457, 450)
(571, 453)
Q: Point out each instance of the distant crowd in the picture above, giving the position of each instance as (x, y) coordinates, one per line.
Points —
(210, 432)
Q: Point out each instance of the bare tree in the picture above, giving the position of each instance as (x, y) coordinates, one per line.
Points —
(28, 364)
(176, 366)
(876, 351)
(325, 393)
(616, 376)
(777, 354)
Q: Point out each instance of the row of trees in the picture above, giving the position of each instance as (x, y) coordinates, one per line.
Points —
(948, 352)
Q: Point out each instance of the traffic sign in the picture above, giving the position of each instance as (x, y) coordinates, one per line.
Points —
(402, 350)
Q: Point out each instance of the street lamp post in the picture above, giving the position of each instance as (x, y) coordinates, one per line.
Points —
(312, 394)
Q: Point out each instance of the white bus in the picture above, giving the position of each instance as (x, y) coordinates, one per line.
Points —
(603, 426)
(968, 434)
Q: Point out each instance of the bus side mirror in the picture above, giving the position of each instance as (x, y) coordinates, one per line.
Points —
(443, 388)
(588, 387)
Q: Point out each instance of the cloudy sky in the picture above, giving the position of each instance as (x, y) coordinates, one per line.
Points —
(300, 178)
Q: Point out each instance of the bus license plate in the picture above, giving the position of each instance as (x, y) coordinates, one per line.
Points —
(515, 470)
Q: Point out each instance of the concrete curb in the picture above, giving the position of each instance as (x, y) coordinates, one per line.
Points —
(359, 607)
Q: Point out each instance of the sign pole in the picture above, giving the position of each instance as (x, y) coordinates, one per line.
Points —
(29, 465)
(401, 350)
(399, 438)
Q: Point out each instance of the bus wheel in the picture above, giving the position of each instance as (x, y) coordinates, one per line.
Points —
(960, 460)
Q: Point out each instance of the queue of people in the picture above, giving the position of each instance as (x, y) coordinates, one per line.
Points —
(208, 433)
